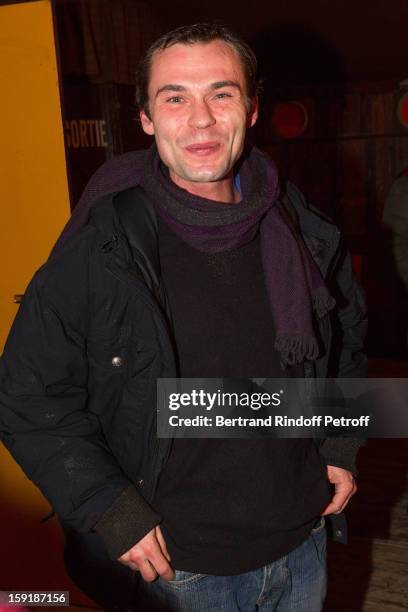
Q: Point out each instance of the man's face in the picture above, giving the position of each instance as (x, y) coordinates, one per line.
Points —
(199, 111)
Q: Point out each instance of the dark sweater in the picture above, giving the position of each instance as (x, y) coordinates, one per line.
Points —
(127, 171)
(231, 505)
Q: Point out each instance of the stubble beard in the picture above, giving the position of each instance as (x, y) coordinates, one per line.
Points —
(204, 175)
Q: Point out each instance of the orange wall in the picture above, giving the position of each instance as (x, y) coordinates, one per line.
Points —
(34, 206)
(33, 180)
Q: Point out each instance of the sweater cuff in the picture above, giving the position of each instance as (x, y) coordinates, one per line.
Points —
(126, 522)
(341, 452)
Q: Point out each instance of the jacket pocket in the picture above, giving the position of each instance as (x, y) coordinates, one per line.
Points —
(109, 348)
(184, 579)
(110, 334)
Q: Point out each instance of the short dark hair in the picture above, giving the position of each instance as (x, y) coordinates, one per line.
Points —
(190, 35)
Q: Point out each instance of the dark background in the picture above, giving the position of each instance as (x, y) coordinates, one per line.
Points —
(344, 62)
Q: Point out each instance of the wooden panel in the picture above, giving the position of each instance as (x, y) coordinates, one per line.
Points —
(352, 186)
(351, 115)
(329, 112)
(377, 113)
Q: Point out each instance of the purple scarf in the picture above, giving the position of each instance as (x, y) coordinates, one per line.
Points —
(295, 286)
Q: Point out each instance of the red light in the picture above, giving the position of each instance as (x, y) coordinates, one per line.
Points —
(289, 119)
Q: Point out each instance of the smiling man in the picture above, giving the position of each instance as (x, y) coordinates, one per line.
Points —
(185, 260)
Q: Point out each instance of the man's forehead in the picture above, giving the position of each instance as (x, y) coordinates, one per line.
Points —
(213, 62)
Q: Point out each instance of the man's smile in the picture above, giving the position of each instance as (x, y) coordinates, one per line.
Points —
(203, 149)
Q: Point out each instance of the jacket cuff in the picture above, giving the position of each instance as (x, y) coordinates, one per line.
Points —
(126, 522)
(341, 452)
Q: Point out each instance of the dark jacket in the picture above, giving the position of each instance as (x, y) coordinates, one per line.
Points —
(79, 370)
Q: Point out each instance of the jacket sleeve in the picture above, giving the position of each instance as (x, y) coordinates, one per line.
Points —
(44, 421)
(349, 357)
(350, 325)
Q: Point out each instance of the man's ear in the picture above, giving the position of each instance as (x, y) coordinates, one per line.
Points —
(147, 124)
(253, 113)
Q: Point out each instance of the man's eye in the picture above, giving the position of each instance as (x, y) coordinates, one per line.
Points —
(175, 99)
(222, 95)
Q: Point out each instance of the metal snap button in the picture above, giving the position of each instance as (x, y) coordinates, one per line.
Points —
(117, 361)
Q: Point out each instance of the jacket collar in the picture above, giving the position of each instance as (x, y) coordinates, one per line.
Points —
(321, 236)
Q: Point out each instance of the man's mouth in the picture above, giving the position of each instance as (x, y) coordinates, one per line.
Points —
(203, 148)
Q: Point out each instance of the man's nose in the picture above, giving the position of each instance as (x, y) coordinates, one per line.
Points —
(201, 115)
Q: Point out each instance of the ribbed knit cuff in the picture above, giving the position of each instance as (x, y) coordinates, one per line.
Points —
(126, 522)
(341, 452)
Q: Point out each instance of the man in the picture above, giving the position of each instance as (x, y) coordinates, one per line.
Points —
(395, 219)
(203, 272)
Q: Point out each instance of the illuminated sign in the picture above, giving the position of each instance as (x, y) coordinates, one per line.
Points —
(86, 133)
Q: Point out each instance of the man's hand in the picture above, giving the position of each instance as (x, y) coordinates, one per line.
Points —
(344, 487)
(150, 557)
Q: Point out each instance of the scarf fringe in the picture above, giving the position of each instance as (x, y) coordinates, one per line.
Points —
(322, 302)
(295, 350)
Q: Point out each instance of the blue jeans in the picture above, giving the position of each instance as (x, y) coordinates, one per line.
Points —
(295, 583)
